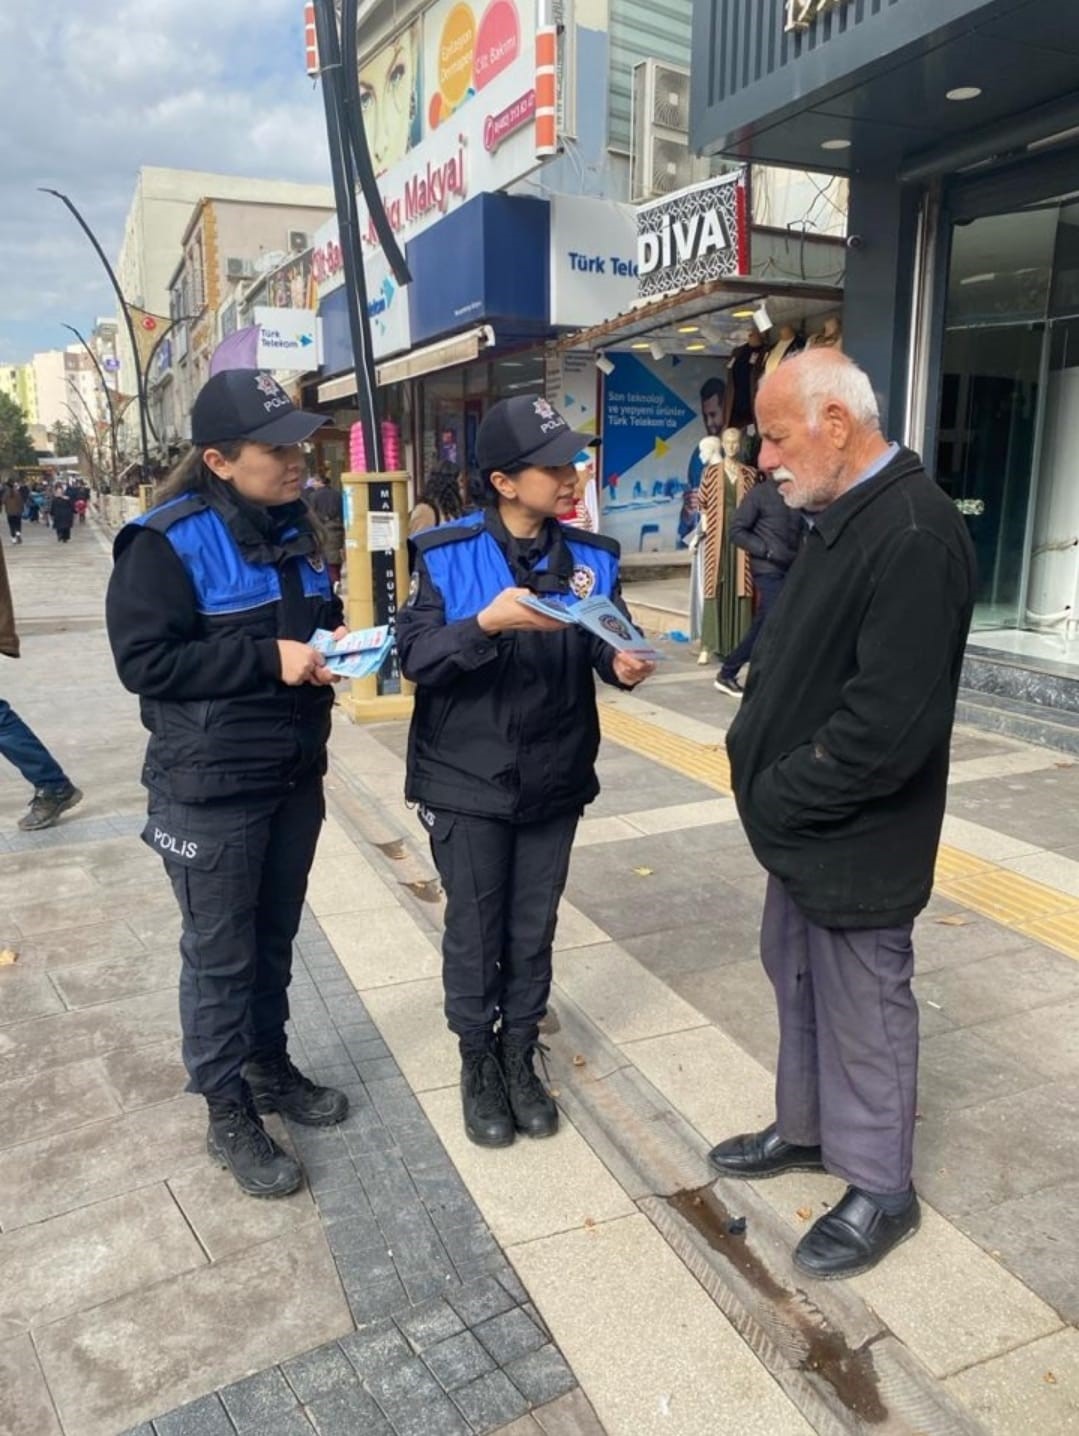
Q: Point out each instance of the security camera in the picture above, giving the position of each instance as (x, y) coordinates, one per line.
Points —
(855, 241)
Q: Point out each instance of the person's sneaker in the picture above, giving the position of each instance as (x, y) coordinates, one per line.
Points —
(236, 1139)
(47, 805)
(484, 1101)
(277, 1086)
(533, 1107)
(731, 686)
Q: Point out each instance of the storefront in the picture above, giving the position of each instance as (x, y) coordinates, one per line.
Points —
(958, 123)
(681, 358)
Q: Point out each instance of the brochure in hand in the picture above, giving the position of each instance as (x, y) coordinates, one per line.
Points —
(598, 616)
(357, 655)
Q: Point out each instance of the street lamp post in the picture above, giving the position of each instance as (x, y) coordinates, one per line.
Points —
(129, 322)
(109, 406)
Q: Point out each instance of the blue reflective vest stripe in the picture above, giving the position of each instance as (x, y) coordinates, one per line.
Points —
(223, 580)
(470, 573)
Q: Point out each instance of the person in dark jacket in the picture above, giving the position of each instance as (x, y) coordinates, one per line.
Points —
(213, 598)
(770, 533)
(503, 743)
(839, 762)
(328, 505)
(62, 513)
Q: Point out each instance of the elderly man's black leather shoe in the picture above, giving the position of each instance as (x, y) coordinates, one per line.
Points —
(854, 1236)
(763, 1154)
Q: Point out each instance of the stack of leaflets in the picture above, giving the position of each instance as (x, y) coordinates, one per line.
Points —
(357, 655)
(599, 616)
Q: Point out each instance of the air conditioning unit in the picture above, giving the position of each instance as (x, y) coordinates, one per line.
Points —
(236, 268)
(298, 241)
(660, 158)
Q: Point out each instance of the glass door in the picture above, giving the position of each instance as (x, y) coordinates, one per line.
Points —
(993, 385)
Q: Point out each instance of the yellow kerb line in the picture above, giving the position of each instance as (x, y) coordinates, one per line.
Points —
(1032, 908)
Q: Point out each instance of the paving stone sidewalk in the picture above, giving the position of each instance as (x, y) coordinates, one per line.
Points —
(139, 1285)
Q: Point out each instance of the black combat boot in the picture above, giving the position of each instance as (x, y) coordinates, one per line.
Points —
(533, 1107)
(486, 1108)
(277, 1086)
(237, 1139)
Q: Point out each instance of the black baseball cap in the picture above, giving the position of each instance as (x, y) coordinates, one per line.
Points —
(527, 430)
(249, 404)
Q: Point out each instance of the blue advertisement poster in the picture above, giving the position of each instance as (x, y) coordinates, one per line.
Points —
(652, 424)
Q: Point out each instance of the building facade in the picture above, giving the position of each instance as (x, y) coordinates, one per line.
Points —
(958, 126)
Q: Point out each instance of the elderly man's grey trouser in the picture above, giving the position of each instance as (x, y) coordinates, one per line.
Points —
(848, 1049)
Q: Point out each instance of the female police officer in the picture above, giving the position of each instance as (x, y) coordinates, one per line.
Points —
(213, 597)
(503, 745)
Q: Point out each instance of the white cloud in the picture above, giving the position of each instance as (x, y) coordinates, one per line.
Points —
(94, 90)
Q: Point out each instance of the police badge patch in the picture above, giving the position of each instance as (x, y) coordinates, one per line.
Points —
(582, 581)
(317, 562)
(413, 586)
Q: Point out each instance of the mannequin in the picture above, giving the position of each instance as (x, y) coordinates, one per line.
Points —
(726, 586)
(789, 343)
(744, 371)
(830, 337)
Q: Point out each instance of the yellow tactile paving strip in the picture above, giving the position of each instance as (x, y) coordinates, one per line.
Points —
(1042, 913)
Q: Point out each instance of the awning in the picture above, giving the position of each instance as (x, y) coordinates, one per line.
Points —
(726, 304)
(457, 349)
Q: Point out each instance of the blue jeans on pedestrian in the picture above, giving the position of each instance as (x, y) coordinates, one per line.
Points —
(19, 745)
(768, 587)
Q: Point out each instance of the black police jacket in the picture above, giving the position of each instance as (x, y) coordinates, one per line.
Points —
(202, 589)
(839, 751)
(767, 529)
(503, 727)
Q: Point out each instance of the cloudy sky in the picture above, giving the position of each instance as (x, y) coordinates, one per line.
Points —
(93, 89)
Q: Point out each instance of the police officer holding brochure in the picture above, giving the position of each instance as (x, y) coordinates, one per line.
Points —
(502, 749)
(214, 597)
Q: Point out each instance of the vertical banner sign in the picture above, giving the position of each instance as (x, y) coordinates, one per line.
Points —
(692, 237)
(384, 585)
(546, 91)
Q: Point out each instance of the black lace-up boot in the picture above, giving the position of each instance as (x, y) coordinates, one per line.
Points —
(237, 1140)
(278, 1086)
(486, 1108)
(533, 1107)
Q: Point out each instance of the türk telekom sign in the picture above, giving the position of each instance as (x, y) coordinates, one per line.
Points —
(697, 235)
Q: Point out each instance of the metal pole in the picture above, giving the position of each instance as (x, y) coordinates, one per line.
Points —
(344, 188)
(139, 377)
(109, 407)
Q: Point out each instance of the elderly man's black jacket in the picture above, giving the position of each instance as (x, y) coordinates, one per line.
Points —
(839, 753)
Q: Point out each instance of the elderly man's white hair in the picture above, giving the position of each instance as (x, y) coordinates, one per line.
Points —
(821, 377)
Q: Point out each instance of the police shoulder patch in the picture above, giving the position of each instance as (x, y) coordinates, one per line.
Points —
(582, 581)
(317, 562)
(413, 586)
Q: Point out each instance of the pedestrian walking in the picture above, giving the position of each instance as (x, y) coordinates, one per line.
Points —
(440, 502)
(502, 748)
(13, 509)
(54, 792)
(213, 598)
(62, 513)
(327, 504)
(769, 532)
(839, 762)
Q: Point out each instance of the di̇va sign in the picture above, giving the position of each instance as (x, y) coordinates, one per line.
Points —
(692, 237)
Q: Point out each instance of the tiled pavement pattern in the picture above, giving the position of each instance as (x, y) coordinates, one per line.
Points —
(132, 1272)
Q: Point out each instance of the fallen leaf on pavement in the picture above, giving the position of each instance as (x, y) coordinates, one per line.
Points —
(804, 1213)
(643, 872)
(579, 1061)
(1050, 1379)
(589, 1223)
(8, 955)
(954, 919)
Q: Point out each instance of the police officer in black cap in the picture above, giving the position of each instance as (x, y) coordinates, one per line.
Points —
(502, 749)
(213, 598)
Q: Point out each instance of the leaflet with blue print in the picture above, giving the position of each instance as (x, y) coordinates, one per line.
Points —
(357, 655)
(598, 616)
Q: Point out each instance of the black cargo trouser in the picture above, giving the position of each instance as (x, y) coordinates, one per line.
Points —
(239, 871)
(503, 883)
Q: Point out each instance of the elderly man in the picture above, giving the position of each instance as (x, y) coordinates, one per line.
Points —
(839, 757)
